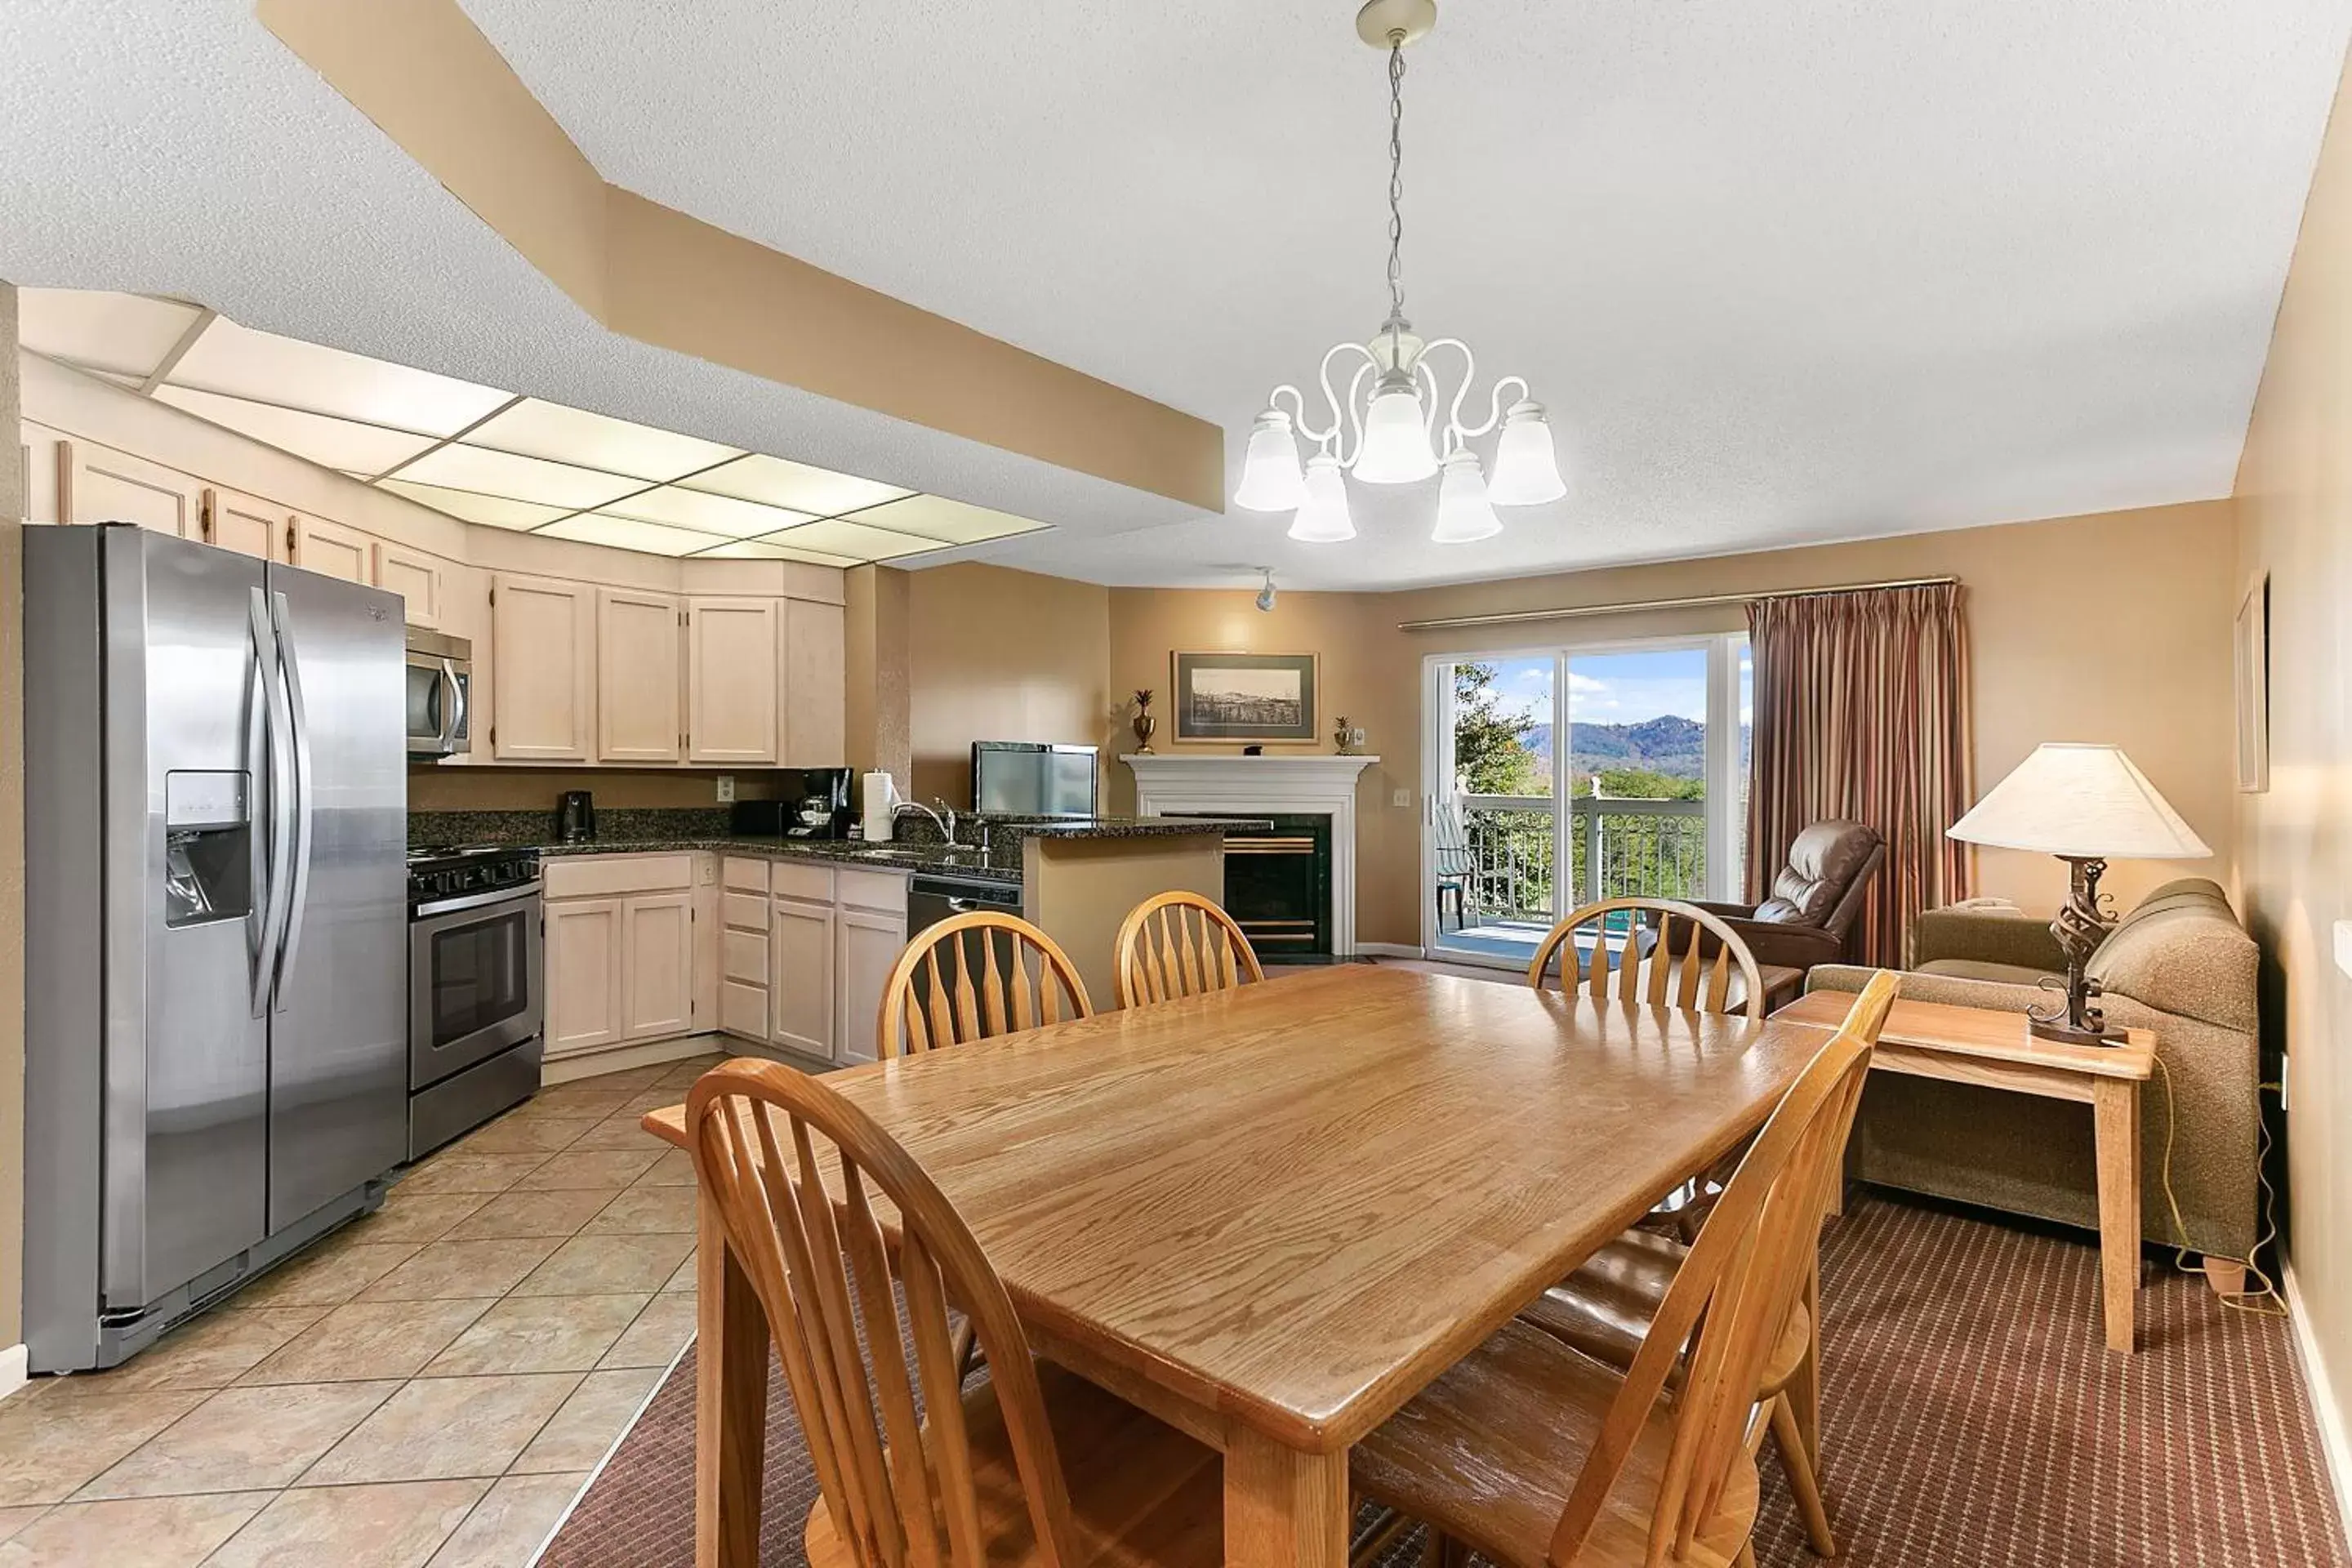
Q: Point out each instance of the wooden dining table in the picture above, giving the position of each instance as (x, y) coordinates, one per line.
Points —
(1272, 1215)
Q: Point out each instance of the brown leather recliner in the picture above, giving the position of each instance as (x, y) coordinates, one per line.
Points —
(1815, 899)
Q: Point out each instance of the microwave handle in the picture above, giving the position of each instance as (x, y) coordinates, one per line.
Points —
(453, 707)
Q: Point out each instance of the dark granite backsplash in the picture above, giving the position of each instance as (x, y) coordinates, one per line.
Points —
(440, 829)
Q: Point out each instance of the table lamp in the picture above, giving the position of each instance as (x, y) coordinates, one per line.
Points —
(2086, 804)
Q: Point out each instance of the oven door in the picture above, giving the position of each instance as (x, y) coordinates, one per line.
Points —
(473, 980)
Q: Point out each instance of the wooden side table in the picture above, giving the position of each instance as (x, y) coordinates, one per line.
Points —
(1992, 1049)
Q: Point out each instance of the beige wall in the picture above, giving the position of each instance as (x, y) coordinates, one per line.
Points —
(12, 845)
(2295, 849)
(876, 668)
(437, 788)
(2113, 627)
(998, 654)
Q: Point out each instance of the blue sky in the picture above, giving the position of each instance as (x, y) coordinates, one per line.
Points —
(1609, 688)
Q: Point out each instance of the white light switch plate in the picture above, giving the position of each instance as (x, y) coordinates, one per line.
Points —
(2344, 946)
(725, 788)
(1402, 797)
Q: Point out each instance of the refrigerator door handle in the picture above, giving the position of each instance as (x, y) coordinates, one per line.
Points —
(299, 899)
(453, 708)
(278, 884)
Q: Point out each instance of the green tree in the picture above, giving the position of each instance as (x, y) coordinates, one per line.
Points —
(1645, 783)
(1491, 754)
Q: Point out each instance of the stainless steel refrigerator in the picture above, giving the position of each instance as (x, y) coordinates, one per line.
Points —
(216, 947)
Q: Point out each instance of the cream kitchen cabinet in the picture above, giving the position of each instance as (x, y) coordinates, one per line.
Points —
(733, 679)
(317, 544)
(800, 971)
(815, 721)
(743, 919)
(865, 948)
(543, 675)
(247, 524)
(97, 484)
(417, 578)
(620, 963)
(656, 965)
(583, 967)
(809, 947)
(639, 691)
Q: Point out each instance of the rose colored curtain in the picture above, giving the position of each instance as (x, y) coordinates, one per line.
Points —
(1861, 712)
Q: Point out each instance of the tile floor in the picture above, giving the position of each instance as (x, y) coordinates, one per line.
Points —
(429, 1386)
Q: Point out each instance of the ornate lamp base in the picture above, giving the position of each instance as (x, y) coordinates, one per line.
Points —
(2079, 928)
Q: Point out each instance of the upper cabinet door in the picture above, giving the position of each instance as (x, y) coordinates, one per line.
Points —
(543, 636)
(732, 671)
(43, 450)
(99, 485)
(638, 692)
(415, 577)
(817, 724)
(247, 524)
(331, 550)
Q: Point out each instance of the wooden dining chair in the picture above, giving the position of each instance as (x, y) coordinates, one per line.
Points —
(1024, 980)
(1673, 972)
(1535, 1456)
(853, 1255)
(1181, 944)
(1606, 1307)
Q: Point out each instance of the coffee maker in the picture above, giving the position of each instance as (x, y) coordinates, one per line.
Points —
(575, 816)
(812, 803)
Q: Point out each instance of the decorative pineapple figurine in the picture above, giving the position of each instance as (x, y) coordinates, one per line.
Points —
(1146, 726)
(1340, 736)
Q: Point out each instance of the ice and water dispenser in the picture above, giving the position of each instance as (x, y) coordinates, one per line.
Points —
(207, 847)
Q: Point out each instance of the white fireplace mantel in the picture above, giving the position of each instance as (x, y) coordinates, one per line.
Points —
(1244, 786)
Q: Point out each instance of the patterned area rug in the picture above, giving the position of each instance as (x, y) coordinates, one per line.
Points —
(1972, 1420)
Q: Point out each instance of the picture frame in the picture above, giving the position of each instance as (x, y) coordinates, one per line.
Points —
(1266, 697)
(2251, 647)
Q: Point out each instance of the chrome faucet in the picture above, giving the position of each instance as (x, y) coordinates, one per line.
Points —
(945, 823)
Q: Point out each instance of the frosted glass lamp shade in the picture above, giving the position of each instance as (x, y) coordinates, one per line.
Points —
(1526, 473)
(1323, 519)
(1270, 477)
(1464, 515)
(2086, 802)
(1396, 441)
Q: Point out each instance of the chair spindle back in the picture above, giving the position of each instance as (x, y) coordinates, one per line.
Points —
(1023, 980)
(1672, 973)
(1181, 944)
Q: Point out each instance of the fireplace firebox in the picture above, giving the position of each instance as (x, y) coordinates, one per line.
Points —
(1278, 885)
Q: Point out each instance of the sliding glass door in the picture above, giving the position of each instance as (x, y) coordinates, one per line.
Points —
(1559, 777)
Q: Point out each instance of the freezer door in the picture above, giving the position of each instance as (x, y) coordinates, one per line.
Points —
(186, 797)
(339, 1015)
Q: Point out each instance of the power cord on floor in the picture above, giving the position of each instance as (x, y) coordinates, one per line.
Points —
(2264, 1300)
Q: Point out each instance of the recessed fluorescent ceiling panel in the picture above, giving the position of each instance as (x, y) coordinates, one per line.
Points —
(628, 534)
(817, 492)
(491, 511)
(270, 369)
(523, 464)
(367, 450)
(537, 430)
(949, 522)
(716, 514)
(119, 335)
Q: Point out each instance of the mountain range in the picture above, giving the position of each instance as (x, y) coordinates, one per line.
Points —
(1668, 744)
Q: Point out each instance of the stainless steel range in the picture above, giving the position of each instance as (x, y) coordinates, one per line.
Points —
(474, 1004)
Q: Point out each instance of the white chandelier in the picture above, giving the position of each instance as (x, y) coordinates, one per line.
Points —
(1391, 434)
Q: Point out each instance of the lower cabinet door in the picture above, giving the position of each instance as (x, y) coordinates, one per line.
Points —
(743, 1009)
(658, 965)
(583, 974)
(800, 977)
(866, 944)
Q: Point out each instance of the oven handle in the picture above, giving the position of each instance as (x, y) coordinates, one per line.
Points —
(475, 901)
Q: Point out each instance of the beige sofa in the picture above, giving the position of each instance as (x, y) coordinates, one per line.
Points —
(2179, 964)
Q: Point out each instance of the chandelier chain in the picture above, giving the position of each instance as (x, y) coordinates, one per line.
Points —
(1396, 174)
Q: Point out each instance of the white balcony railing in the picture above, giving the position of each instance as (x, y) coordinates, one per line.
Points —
(1506, 859)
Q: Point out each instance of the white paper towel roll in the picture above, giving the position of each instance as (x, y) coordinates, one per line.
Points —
(881, 802)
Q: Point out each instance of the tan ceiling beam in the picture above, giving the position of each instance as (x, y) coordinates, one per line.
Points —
(429, 79)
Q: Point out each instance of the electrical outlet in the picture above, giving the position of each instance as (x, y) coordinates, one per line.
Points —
(725, 788)
(1402, 797)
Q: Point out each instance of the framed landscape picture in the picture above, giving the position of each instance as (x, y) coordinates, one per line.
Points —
(1244, 696)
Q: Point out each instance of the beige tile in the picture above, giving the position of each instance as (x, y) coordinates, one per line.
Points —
(598, 1411)
(363, 1340)
(683, 1281)
(452, 1270)
(352, 1526)
(13, 1519)
(608, 1168)
(456, 1173)
(681, 1075)
(416, 1217)
(508, 1526)
(589, 1097)
(241, 1439)
(528, 1211)
(526, 1135)
(443, 1427)
(48, 1445)
(615, 1132)
(210, 1353)
(674, 1169)
(626, 1080)
(656, 1336)
(607, 1265)
(642, 1211)
(327, 1276)
(651, 1100)
(132, 1533)
(542, 1333)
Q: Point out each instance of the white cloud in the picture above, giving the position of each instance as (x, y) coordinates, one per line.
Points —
(1584, 684)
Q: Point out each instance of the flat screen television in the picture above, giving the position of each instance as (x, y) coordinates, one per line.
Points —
(1029, 778)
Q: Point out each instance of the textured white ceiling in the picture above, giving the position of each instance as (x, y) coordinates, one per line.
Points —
(1784, 272)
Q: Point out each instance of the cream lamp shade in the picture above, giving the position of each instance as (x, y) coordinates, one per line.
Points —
(2083, 802)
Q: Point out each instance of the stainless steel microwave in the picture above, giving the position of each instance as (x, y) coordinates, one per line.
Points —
(440, 677)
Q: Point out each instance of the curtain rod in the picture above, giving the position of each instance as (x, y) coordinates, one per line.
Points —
(1693, 602)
